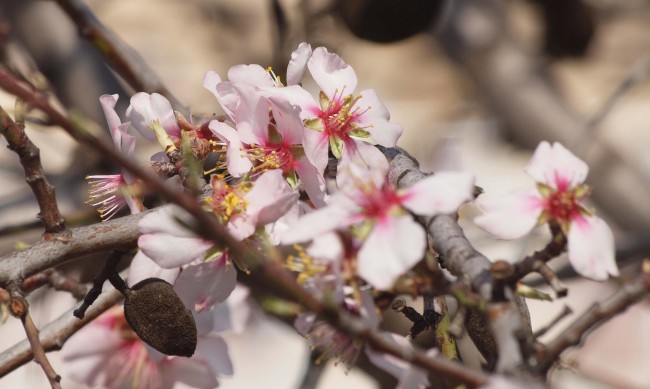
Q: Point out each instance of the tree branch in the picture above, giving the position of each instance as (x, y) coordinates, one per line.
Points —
(30, 158)
(628, 294)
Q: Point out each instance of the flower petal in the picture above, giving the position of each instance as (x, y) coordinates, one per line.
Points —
(252, 75)
(375, 119)
(238, 164)
(143, 267)
(320, 221)
(316, 146)
(511, 216)
(556, 166)
(591, 248)
(204, 285)
(393, 247)
(331, 73)
(170, 251)
(166, 220)
(443, 192)
(214, 350)
(298, 63)
(312, 181)
(270, 198)
(195, 372)
(145, 108)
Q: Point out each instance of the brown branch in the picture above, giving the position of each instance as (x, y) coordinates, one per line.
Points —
(126, 62)
(30, 158)
(464, 261)
(264, 272)
(56, 280)
(20, 308)
(113, 234)
(628, 294)
(54, 335)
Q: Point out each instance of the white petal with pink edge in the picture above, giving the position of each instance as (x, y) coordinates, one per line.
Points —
(444, 192)
(318, 222)
(331, 73)
(170, 251)
(374, 118)
(393, 247)
(511, 216)
(298, 63)
(556, 166)
(591, 248)
(203, 285)
(143, 267)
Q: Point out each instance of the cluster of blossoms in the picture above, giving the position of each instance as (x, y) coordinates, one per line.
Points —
(271, 184)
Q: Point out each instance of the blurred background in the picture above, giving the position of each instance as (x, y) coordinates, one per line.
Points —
(476, 85)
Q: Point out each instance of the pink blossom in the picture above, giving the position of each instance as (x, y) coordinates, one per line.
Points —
(394, 241)
(341, 121)
(560, 177)
(107, 353)
(110, 193)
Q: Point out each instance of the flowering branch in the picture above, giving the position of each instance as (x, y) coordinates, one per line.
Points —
(30, 158)
(122, 58)
(264, 272)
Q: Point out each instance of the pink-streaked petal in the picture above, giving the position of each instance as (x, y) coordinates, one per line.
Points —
(166, 220)
(591, 248)
(87, 353)
(353, 173)
(237, 162)
(556, 166)
(251, 115)
(230, 316)
(143, 267)
(145, 108)
(327, 246)
(252, 75)
(443, 192)
(228, 98)
(270, 198)
(287, 119)
(210, 81)
(194, 372)
(214, 350)
(204, 285)
(375, 119)
(108, 103)
(393, 247)
(312, 181)
(320, 221)
(296, 95)
(316, 146)
(170, 251)
(331, 73)
(298, 63)
(511, 216)
(364, 155)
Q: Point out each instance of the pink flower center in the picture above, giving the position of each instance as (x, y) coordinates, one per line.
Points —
(378, 202)
(340, 115)
(563, 204)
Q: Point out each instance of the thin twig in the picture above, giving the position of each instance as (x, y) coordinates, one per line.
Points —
(56, 280)
(628, 294)
(54, 335)
(566, 311)
(20, 308)
(126, 62)
(30, 158)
